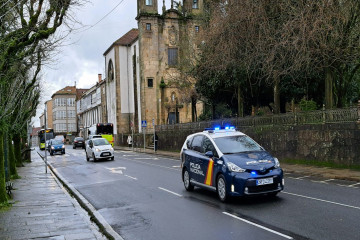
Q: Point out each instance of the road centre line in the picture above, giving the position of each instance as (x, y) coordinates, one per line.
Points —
(257, 225)
(301, 178)
(322, 200)
(170, 192)
(146, 158)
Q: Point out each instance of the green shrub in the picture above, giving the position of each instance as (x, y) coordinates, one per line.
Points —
(307, 105)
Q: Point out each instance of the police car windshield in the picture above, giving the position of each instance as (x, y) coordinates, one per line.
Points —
(236, 144)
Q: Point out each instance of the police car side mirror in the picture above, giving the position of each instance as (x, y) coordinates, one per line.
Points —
(209, 154)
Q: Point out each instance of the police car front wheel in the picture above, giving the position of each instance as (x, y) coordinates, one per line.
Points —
(221, 188)
(187, 183)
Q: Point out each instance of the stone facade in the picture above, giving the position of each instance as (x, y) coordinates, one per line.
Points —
(164, 41)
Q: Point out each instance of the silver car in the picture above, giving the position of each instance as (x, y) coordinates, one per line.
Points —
(99, 148)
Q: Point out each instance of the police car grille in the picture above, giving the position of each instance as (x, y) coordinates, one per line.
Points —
(263, 188)
(259, 172)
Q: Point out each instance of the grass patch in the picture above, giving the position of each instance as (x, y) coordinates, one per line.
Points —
(5, 206)
(320, 164)
(15, 176)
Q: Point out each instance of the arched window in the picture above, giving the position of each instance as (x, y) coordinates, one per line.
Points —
(110, 71)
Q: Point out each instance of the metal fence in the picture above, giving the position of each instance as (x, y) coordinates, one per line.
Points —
(342, 115)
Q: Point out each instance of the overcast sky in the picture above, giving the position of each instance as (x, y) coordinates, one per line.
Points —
(81, 58)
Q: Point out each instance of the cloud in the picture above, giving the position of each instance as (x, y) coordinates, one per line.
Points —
(81, 57)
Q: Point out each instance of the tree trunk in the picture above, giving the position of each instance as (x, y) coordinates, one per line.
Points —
(17, 150)
(12, 161)
(240, 103)
(3, 197)
(277, 95)
(193, 110)
(329, 79)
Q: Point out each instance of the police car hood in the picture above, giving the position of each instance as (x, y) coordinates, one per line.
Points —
(251, 160)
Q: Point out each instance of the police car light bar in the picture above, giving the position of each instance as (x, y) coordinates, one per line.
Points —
(217, 128)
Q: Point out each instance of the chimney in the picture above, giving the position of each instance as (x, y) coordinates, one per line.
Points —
(99, 76)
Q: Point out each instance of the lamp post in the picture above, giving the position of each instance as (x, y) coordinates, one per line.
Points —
(45, 139)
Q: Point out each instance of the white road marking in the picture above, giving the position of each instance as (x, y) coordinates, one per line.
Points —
(131, 177)
(353, 185)
(328, 180)
(322, 200)
(146, 158)
(170, 192)
(319, 182)
(117, 170)
(151, 164)
(301, 178)
(177, 166)
(257, 225)
(133, 155)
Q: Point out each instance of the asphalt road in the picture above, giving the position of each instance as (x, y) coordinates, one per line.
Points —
(142, 197)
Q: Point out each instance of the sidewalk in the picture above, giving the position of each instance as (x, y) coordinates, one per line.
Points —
(42, 209)
(322, 172)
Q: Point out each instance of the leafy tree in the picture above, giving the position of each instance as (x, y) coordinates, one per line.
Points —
(27, 36)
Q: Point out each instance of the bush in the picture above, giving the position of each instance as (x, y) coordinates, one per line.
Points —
(307, 105)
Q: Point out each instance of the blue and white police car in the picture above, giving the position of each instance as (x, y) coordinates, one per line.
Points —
(229, 162)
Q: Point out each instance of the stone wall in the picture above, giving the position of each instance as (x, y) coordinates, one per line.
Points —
(337, 143)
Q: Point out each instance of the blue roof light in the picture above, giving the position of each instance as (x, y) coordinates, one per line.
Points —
(232, 127)
(227, 128)
(217, 128)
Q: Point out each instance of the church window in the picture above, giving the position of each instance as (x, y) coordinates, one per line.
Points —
(150, 82)
(149, 2)
(148, 27)
(110, 71)
(172, 56)
(195, 4)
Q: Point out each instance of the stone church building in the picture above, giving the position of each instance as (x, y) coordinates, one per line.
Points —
(143, 69)
(166, 42)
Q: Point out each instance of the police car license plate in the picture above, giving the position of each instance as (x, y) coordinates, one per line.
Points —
(106, 154)
(264, 181)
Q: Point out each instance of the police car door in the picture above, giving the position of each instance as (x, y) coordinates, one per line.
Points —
(208, 163)
(196, 159)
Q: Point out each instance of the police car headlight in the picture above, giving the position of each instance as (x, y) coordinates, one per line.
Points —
(234, 168)
(97, 150)
(63, 146)
(277, 163)
(52, 148)
(111, 149)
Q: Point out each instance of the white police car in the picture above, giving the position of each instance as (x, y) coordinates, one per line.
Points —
(229, 162)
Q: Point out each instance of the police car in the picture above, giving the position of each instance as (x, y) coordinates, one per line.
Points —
(229, 162)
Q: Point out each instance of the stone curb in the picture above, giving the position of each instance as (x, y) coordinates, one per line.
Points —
(95, 216)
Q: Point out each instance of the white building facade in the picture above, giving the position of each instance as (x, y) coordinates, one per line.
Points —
(123, 84)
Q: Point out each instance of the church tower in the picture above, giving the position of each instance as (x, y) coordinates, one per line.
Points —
(147, 6)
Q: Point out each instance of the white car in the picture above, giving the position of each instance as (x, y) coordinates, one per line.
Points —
(99, 148)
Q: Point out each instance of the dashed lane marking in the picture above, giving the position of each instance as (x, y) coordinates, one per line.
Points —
(174, 193)
(322, 200)
(257, 225)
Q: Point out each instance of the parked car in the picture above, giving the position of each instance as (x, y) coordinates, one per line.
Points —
(56, 145)
(78, 142)
(230, 163)
(99, 148)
